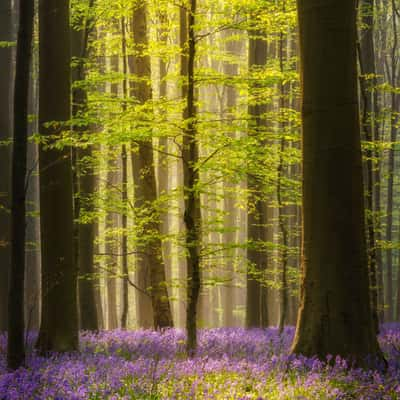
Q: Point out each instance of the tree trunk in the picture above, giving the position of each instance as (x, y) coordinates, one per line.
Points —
(5, 159)
(85, 184)
(151, 269)
(335, 313)
(124, 190)
(59, 272)
(112, 221)
(111, 247)
(16, 317)
(32, 246)
(282, 209)
(163, 168)
(192, 217)
(379, 106)
(231, 70)
(368, 126)
(256, 304)
(389, 301)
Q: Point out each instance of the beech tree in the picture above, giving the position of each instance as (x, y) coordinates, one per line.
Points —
(16, 323)
(190, 155)
(59, 322)
(256, 301)
(84, 177)
(5, 159)
(335, 313)
(369, 112)
(151, 267)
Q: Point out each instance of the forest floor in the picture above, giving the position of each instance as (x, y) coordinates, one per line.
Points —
(230, 364)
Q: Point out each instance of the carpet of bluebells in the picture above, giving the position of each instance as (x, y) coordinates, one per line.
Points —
(230, 364)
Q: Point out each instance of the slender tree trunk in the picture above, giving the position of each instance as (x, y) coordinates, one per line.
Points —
(124, 239)
(151, 268)
(192, 217)
(16, 317)
(5, 159)
(163, 165)
(256, 304)
(32, 247)
(124, 189)
(398, 294)
(379, 100)
(112, 222)
(59, 272)
(282, 210)
(389, 301)
(335, 313)
(111, 248)
(230, 189)
(368, 125)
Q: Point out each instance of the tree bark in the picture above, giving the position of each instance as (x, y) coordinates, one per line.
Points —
(124, 189)
(192, 218)
(256, 304)
(389, 300)
(163, 165)
(111, 247)
(282, 209)
(335, 313)
(5, 156)
(150, 267)
(16, 317)
(369, 130)
(32, 247)
(85, 182)
(59, 272)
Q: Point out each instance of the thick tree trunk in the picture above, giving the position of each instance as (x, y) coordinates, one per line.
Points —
(16, 317)
(150, 267)
(5, 159)
(256, 304)
(59, 272)
(335, 314)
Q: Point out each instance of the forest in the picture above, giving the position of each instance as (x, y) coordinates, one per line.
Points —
(199, 199)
